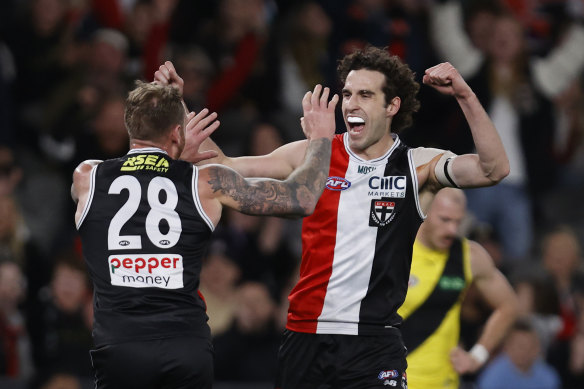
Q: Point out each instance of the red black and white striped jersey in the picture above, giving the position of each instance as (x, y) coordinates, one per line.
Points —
(357, 245)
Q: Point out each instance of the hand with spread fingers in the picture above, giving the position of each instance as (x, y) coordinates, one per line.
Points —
(319, 114)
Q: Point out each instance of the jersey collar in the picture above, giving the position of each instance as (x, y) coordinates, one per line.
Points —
(147, 150)
(384, 157)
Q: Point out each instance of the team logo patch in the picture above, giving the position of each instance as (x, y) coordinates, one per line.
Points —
(337, 183)
(381, 213)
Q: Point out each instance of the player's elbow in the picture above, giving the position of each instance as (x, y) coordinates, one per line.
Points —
(498, 172)
(511, 307)
(307, 208)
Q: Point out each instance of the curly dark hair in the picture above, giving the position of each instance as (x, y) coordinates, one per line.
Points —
(399, 80)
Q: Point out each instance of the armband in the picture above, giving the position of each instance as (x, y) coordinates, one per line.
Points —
(443, 170)
(479, 353)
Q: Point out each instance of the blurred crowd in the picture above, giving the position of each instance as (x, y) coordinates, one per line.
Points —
(67, 65)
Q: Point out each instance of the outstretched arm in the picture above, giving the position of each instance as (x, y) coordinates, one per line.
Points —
(495, 289)
(490, 165)
(295, 196)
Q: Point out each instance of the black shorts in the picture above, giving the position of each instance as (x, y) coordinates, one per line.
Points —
(322, 361)
(182, 362)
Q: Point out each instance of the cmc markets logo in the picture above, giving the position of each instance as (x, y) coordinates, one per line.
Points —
(337, 183)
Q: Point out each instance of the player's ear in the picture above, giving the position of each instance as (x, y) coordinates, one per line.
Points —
(175, 133)
(393, 106)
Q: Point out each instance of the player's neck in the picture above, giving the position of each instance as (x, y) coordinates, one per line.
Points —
(375, 150)
(141, 144)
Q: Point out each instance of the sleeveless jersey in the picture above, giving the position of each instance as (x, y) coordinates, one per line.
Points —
(144, 233)
(431, 313)
(357, 245)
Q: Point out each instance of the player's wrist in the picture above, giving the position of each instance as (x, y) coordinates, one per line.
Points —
(479, 353)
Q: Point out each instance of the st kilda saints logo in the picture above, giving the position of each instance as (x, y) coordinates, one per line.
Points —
(382, 213)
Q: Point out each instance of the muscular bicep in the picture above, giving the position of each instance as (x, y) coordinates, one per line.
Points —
(467, 171)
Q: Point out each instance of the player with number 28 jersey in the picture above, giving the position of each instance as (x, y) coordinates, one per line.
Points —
(141, 266)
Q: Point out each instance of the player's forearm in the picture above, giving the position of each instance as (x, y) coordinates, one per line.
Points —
(493, 160)
(309, 179)
(497, 326)
(221, 158)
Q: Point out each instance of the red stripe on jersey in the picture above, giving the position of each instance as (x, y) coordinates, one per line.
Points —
(318, 247)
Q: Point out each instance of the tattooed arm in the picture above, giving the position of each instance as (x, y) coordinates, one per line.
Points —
(295, 196)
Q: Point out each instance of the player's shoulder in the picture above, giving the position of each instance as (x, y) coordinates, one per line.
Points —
(423, 155)
(86, 166)
(480, 258)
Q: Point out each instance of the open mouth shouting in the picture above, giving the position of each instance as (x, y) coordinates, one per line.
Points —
(356, 124)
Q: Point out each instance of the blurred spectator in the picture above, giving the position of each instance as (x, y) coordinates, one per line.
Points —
(62, 381)
(219, 277)
(515, 87)
(7, 76)
(197, 71)
(247, 351)
(576, 361)
(153, 51)
(270, 247)
(137, 25)
(16, 245)
(569, 143)
(10, 172)
(562, 258)
(101, 73)
(538, 302)
(60, 326)
(236, 40)
(479, 23)
(106, 135)
(27, 225)
(520, 365)
(38, 39)
(15, 347)
(304, 56)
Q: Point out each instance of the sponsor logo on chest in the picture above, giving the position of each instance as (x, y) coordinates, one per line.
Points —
(451, 283)
(147, 270)
(387, 186)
